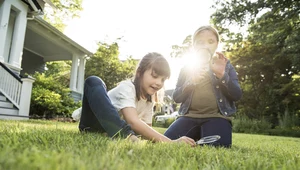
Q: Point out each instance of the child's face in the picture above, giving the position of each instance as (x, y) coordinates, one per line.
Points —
(151, 82)
(207, 40)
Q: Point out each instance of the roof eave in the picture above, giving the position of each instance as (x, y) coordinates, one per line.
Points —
(61, 35)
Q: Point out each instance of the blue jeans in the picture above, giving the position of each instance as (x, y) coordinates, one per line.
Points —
(98, 113)
(197, 128)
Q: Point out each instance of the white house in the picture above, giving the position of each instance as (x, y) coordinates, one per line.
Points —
(27, 42)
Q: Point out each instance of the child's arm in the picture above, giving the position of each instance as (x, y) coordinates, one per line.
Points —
(183, 87)
(227, 77)
(140, 127)
(230, 86)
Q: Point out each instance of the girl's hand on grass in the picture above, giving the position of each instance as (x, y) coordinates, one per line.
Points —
(133, 138)
(186, 140)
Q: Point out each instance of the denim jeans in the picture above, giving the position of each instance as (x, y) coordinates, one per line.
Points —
(197, 128)
(98, 113)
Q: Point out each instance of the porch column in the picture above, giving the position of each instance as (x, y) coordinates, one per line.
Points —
(25, 96)
(18, 36)
(74, 73)
(4, 18)
(81, 75)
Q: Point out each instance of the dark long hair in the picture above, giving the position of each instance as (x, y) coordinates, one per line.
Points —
(157, 63)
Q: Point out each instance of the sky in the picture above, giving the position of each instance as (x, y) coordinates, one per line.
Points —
(144, 25)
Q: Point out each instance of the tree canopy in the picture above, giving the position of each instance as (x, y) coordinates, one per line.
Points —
(262, 41)
(65, 10)
(180, 50)
(266, 54)
(105, 64)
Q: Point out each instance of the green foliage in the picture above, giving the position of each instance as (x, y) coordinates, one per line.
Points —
(53, 145)
(287, 126)
(60, 71)
(284, 132)
(50, 98)
(266, 57)
(166, 124)
(288, 120)
(65, 10)
(156, 124)
(243, 124)
(169, 122)
(44, 101)
(105, 64)
(180, 50)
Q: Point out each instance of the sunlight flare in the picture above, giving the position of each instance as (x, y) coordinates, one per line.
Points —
(192, 61)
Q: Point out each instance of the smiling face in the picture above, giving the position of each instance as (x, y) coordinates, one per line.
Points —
(205, 44)
(151, 82)
(150, 76)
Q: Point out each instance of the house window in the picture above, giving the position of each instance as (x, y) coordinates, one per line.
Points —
(10, 33)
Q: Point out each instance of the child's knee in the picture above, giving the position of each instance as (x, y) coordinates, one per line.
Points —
(94, 80)
(221, 127)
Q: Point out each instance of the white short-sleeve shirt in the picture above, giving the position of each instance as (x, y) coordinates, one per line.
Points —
(124, 95)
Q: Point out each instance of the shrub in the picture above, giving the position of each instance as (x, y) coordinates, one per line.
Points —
(44, 102)
(50, 98)
(168, 122)
(242, 124)
(284, 132)
(288, 120)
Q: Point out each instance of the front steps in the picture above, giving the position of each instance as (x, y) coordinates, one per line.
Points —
(8, 111)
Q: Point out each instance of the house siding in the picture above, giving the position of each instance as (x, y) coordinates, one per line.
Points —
(32, 63)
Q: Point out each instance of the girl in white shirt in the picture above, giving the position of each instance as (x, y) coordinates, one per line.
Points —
(127, 109)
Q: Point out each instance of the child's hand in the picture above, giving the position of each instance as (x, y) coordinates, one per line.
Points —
(198, 75)
(196, 78)
(133, 138)
(186, 140)
(218, 64)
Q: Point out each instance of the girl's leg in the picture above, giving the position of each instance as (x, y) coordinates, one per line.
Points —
(98, 113)
(184, 126)
(218, 126)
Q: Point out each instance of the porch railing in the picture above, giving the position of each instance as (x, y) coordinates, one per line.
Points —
(10, 85)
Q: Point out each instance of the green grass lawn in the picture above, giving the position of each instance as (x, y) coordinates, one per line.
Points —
(55, 145)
